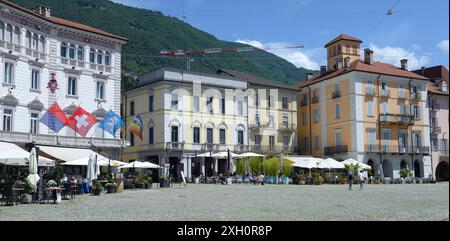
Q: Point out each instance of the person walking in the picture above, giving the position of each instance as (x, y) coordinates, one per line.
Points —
(362, 179)
(262, 179)
(350, 179)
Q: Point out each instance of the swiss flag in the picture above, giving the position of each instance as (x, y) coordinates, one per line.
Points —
(81, 121)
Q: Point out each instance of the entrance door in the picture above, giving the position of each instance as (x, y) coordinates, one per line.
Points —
(174, 137)
(442, 171)
(175, 168)
(416, 169)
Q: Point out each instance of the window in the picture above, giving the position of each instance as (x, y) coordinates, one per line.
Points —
(92, 55)
(305, 143)
(370, 108)
(285, 121)
(337, 137)
(286, 141)
(316, 113)
(222, 136)
(371, 139)
(34, 123)
(72, 86)
(401, 90)
(209, 136)
(444, 144)
(196, 104)
(132, 107)
(355, 51)
(334, 51)
(9, 73)
(27, 39)
(403, 140)
(257, 120)
(444, 86)
(80, 54)
(416, 111)
(240, 104)
(99, 57)
(35, 42)
(270, 103)
(100, 90)
(196, 135)
(384, 107)
(16, 36)
(35, 79)
(258, 140)
(285, 103)
(222, 105)
(42, 44)
(337, 111)
(9, 32)
(240, 137)
(257, 99)
(304, 118)
(151, 135)
(337, 88)
(271, 121)
(63, 51)
(209, 103)
(174, 102)
(150, 103)
(386, 139)
(417, 140)
(347, 48)
(71, 51)
(7, 119)
(434, 144)
(316, 142)
(131, 139)
(271, 142)
(369, 87)
(174, 134)
(107, 58)
(2, 30)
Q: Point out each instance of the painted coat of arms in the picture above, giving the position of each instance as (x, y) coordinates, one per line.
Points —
(52, 84)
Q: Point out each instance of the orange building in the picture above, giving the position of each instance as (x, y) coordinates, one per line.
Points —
(370, 111)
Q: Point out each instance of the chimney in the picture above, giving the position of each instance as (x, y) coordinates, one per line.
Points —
(323, 70)
(404, 64)
(422, 71)
(368, 56)
(42, 10)
(347, 63)
(309, 76)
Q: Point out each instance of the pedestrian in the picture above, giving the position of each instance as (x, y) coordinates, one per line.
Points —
(262, 179)
(350, 179)
(362, 179)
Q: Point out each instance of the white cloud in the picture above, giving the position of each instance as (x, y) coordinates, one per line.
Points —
(393, 55)
(296, 57)
(443, 45)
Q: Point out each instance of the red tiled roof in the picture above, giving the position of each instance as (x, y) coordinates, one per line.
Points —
(438, 72)
(359, 65)
(432, 88)
(64, 22)
(343, 37)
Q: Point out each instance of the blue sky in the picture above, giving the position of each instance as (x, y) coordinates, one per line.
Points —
(417, 29)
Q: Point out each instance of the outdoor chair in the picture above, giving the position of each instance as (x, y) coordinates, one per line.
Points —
(9, 196)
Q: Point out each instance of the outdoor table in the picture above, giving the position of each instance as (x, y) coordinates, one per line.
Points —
(56, 193)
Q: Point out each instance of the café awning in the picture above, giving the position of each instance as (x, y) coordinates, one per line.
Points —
(11, 154)
(67, 154)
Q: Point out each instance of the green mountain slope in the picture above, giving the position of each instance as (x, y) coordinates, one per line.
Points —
(151, 31)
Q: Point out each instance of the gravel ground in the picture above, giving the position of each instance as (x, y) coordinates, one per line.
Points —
(248, 202)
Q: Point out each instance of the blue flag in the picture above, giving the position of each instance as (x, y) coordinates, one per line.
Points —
(111, 123)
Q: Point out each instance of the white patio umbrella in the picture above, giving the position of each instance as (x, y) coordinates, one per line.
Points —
(330, 163)
(351, 161)
(206, 154)
(306, 162)
(92, 169)
(138, 164)
(224, 155)
(33, 177)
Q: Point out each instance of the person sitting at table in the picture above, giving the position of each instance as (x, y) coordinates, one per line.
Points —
(73, 181)
(64, 178)
(222, 179)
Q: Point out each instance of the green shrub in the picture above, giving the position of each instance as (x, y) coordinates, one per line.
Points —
(405, 172)
(98, 186)
(110, 185)
(272, 166)
(240, 166)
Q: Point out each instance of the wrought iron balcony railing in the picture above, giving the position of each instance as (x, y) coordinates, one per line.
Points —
(396, 119)
(331, 150)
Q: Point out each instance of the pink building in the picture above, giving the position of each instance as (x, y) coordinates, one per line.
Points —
(439, 119)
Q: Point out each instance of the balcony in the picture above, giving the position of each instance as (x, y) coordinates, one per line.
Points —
(81, 64)
(435, 107)
(385, 93)
(415, 96)
(331, 150)
(435, 130)
(396, 119)
(303, 103)
(336, 94)
(394, 149)
(286, 127)
(370, 91)
(175, 146)
(54, 140)
(35, 54)
(315, 99)
(10, 46)
(256, 126)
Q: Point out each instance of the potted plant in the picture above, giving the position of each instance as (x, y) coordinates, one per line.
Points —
(27, 196)
(301, 179)
(318, 179)
(98, 188)
(164, 181)
(110, 187)
(343, 180)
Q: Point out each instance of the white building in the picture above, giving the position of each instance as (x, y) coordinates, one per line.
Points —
(35, 48)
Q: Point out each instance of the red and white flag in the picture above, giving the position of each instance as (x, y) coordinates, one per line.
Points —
(82, 121)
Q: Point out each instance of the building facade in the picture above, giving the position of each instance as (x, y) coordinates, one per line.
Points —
(438, 106)
(45, 59)
(186, 114)
(373, 112)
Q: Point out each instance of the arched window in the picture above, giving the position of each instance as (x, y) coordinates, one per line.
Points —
(42, 44)
(2, 30)
(28, 39)
(64, 49)
(71, 51)
(402, 164)
(9, 33)
(35, 43)
(16, 36)
(99, 57)
(107, 58)
(92, 55)
(80, 54)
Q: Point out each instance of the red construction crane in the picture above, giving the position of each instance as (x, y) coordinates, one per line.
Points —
(189, 53)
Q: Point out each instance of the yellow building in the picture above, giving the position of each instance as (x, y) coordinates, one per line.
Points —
(186, 114)
(373, 112)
